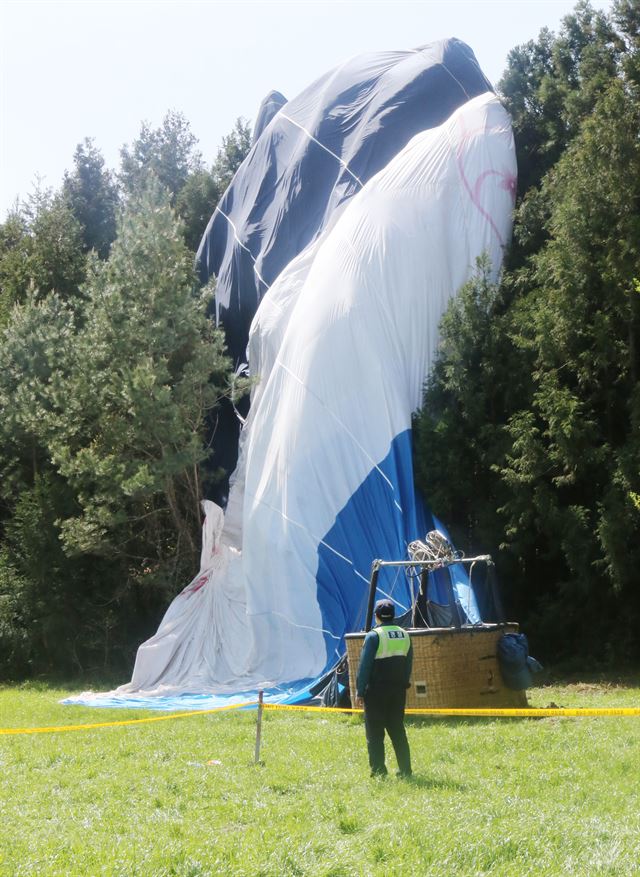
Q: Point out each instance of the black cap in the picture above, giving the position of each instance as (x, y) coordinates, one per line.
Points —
(385, 609)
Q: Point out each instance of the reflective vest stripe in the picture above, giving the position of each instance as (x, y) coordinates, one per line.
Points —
(393, 642)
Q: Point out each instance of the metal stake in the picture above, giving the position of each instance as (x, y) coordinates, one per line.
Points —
(256, 759)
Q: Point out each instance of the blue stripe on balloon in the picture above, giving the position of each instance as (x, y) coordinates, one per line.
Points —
(377, 522)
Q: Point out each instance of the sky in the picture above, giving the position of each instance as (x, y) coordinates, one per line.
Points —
(70, 70)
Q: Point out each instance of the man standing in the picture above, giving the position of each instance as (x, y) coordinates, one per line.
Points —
(383, 678)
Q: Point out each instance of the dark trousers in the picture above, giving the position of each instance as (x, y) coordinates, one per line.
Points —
(384, 711)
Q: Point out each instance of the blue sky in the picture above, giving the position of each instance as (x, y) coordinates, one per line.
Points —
(70, 70)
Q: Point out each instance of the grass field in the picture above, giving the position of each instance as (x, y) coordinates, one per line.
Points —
(183, 797)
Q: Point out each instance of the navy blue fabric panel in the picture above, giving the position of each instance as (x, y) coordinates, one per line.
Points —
(365, 113)
(273, 102)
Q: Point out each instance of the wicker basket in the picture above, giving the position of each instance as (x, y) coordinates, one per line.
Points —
(452, 667)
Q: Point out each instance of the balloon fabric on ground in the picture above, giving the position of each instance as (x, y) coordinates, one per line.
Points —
(340, 346)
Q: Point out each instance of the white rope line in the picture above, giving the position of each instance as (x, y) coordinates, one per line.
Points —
(305, 530)
(359, 574)
(455, 79)
(334, 551)
(303, 626)
(340, 423)
(481, 71)
(320, 542)
(322, 146)
(393, 599)
(244, 247)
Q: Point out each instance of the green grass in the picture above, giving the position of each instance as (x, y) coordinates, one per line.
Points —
(502, 797)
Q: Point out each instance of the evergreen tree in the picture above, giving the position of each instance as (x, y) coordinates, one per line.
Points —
(41, 251)
(101, 445)
(92, 196)
(459, 435)
(534, 401)
(626, 16)
(168, 152)
(551, 84)
(15, 255)
(195, 204)
(570, 469)
(148, 368)
(235, 148)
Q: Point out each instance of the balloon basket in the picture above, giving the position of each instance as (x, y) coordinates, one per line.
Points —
(452, 667)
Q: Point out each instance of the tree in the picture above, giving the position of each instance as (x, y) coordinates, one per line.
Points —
(626, 16)
(57, 258)
(92, 196)
(195, 204)
(235, 148)
(104, 437)
(460, 428)
(203, 189)
(168, 152)
(570, 469)
(550, 85)
(15, 255)
(533, 406)
(40, 251)
(149, 367)
(48, 603)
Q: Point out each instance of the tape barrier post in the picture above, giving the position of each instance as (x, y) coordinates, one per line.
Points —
(256, 758)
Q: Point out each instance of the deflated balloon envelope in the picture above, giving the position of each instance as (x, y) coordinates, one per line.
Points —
(316, 152)
(341, 344)
(359, 213)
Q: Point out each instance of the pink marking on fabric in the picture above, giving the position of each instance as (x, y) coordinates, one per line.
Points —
(196, 586)
(507, 183)
(510, 184)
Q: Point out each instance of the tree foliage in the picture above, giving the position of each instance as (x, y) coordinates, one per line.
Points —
(103, 437)
(92, 195)
(109, 373)
(41, 251)
(551, 84)
(529, 437)
(168, 154)
(233, 151)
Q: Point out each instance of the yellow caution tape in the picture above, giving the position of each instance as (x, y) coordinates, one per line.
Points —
(13, 731)
(535, 713)
(310, 707)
